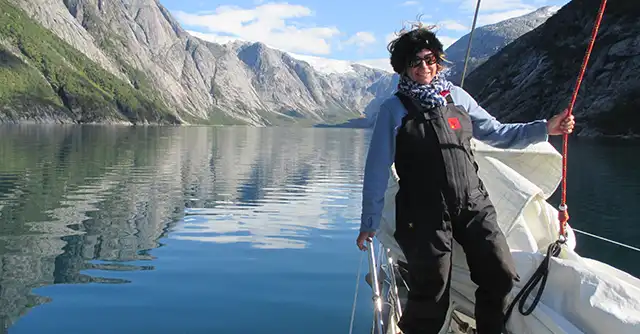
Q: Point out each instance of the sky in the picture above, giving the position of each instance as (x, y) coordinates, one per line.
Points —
(352, 30)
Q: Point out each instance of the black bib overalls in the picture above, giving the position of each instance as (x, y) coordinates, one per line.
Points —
(441, 197)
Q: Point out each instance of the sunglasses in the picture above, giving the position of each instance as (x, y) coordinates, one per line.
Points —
(430, 59)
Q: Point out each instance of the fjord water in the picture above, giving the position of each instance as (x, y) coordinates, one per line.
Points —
(219, 230)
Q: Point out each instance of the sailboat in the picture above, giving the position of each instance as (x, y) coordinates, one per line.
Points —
(580, 295)
(560, 292)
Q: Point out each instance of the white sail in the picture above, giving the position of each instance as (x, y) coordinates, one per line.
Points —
(581, 295)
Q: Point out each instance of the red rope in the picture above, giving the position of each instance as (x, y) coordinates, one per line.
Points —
(563, 214)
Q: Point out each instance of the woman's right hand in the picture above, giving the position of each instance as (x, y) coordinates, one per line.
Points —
(362, 237)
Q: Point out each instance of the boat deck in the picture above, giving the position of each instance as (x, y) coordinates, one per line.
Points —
(460, 322)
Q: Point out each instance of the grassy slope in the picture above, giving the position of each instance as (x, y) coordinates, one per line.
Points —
(58, 76)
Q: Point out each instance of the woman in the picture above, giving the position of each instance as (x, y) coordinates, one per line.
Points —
(426, 129)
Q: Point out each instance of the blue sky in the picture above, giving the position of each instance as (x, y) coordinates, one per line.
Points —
(354, 30)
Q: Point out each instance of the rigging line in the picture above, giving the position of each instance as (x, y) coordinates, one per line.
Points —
(355, 297)
(608, 240)
(539, 276)
(466, 58)
(563, 215)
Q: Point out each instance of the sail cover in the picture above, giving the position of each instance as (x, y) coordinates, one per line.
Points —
(581, 295)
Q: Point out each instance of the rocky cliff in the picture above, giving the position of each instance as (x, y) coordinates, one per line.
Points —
(534, 76)
(47, 80)
(165, 74)
(491, 38)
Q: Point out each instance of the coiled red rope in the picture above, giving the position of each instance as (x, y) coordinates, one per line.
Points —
(563, 213)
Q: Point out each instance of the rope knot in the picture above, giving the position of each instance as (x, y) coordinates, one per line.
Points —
(563, 217)
(563, 214)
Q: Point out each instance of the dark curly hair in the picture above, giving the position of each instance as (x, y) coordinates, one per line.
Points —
(409, 43)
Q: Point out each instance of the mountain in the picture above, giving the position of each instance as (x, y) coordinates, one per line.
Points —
(381, 89)
(489, 39)
(534, 76)
(46, 80)
(130, 61)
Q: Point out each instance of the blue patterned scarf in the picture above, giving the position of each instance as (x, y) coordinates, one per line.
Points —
(429, 95)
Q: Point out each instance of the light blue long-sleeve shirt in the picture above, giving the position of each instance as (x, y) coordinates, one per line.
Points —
(382, 146)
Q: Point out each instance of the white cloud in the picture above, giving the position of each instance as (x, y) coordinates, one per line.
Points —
(447, 41)
(265, 23)
(500, 16)
(410, 3)
(493, 11)
(495, 5)
(452, 25)
(361, 39)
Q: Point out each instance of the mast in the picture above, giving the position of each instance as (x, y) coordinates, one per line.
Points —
(466, 58)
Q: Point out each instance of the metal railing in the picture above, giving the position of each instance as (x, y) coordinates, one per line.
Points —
(387, 306)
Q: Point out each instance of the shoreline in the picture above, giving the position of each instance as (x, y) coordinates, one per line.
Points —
(30, 122)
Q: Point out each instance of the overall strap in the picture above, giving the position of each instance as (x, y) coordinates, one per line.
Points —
(449, 99)
(411, 106)
(408, 104)
(447, 96)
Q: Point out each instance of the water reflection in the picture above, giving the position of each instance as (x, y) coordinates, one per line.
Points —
(282, 184)
(70, 195)
(76, 200)
(281, 218)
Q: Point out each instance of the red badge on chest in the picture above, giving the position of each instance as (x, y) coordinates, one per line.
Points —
(454, 123)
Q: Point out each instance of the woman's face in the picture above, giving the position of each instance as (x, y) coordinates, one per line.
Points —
(423, 67)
